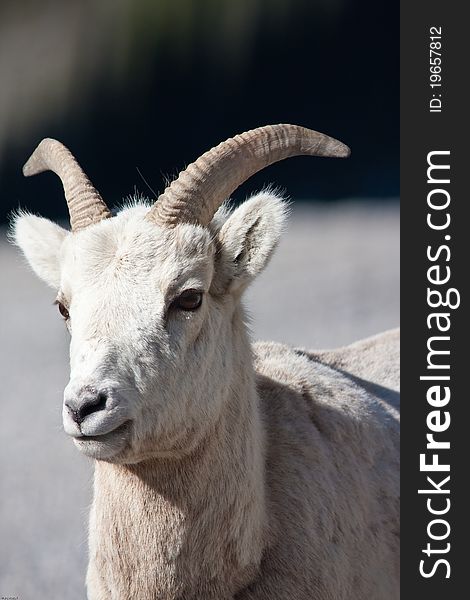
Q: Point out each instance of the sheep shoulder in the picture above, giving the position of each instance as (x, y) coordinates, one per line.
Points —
(332, 470)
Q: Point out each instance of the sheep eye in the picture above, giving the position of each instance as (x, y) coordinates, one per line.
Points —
(63, 311)
(188, 300)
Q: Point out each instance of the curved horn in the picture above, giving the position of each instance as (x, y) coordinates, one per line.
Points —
(200, 189)
(85, 204)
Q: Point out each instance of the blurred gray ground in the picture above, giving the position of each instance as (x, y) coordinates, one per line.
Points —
(334, 279)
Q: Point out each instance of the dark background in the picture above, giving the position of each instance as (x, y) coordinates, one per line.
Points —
(154, 84)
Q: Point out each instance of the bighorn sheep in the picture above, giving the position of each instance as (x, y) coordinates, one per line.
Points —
(222, 469)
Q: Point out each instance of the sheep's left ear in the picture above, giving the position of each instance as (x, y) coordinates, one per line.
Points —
(247, 240)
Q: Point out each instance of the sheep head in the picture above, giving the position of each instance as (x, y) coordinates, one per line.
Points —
(151, 297)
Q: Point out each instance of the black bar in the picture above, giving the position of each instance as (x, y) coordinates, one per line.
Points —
(422, 132)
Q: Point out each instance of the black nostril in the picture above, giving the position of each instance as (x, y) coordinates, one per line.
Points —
(92, 405)
(88, 406)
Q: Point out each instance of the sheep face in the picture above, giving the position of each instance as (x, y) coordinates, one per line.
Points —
(154, 317)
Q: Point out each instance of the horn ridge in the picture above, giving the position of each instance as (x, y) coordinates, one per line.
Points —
(200, 189)
(85, 204)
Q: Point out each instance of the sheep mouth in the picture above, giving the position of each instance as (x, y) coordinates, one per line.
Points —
(108, 446)
(120, 430)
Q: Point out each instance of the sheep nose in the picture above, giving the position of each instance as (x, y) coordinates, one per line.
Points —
(85, 403)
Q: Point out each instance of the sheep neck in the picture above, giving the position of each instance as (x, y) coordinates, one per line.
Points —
(190, 527)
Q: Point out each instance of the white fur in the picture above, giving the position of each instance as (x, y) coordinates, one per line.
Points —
(40, 241)
(223, 470)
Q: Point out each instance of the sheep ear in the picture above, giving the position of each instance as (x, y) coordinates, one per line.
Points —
(40, 241)
(247, 240)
